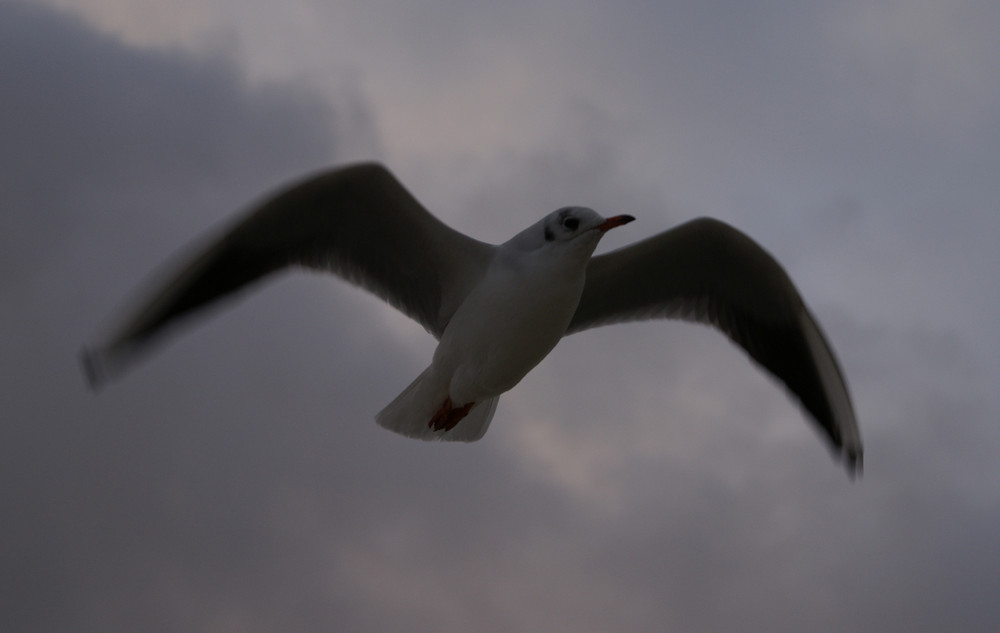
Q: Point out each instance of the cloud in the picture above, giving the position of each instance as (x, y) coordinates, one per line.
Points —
(642, 477)
(926, 63)
(112, 158)
(90, 123)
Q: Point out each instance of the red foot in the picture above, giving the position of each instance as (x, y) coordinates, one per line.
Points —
(448, 415)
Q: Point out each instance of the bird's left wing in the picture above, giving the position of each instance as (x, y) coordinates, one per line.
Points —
(358, 222)
(709, 272)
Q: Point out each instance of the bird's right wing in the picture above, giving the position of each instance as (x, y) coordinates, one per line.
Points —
(358, 222)
(707, 271)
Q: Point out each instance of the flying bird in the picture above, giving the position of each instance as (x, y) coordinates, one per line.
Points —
(498, 310)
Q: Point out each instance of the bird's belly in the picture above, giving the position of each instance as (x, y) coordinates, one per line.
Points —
(499, 334)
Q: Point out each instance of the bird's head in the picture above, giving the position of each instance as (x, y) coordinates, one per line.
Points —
(576, 228)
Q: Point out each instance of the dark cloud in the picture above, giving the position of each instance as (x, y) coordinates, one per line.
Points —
(644, 477)
(111, 158)
(91, 124)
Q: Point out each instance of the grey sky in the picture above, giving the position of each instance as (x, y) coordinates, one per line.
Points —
(643, 477)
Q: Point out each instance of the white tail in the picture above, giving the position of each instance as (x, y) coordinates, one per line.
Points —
(412, 410)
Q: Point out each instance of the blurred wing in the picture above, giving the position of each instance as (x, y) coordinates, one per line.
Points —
(358, 222)
(709, 272)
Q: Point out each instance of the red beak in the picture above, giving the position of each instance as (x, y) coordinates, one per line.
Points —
(612, 222)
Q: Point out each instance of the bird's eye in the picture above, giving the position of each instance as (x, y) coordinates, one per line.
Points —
(571, 223)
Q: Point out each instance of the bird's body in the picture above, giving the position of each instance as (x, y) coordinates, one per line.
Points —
(506, 326)
(508, 323)
(499, 310)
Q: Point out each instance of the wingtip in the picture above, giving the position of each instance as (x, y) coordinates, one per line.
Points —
(94, 369)
(853, 460)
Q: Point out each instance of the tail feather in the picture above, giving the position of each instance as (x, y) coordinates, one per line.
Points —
(411, 411)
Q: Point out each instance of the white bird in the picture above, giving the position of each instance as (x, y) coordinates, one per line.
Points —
(497, 311)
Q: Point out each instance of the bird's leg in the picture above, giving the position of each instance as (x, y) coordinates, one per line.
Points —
(438, 419)
(457, 414)
(449, 415)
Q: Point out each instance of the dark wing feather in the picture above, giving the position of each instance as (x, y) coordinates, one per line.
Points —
(709, 272)
(358, 222)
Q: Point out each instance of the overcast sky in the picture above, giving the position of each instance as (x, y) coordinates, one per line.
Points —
(644, 477)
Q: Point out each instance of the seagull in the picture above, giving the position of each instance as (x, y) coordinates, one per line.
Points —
(498, 310)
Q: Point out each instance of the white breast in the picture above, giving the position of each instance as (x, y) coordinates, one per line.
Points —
(506, 326)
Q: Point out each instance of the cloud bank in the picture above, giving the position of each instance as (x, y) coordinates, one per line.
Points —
(643, 477)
